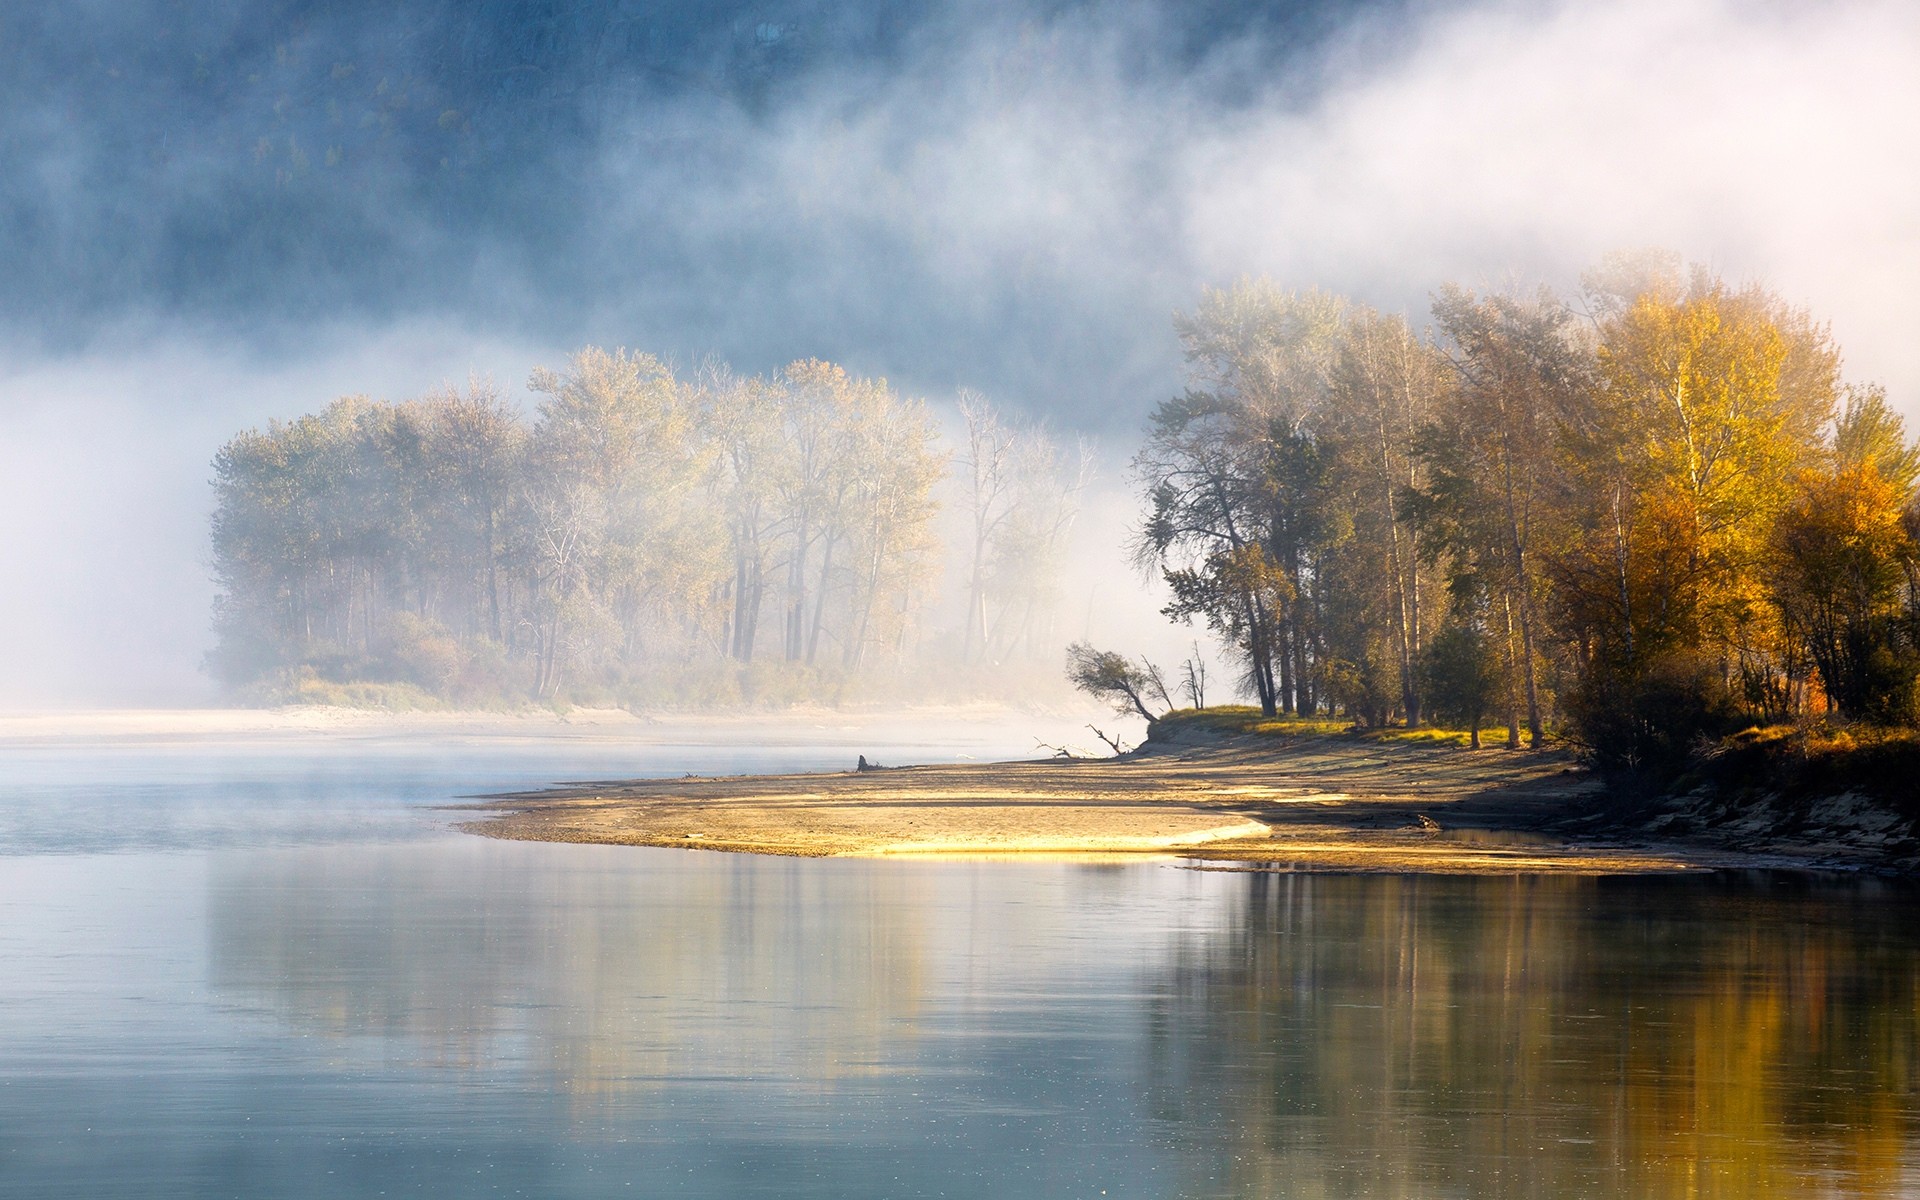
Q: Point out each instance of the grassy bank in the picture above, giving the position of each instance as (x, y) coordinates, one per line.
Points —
(1233, 720)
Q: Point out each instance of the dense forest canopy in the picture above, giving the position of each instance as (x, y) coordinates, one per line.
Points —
(1642, 518)
(643, 538)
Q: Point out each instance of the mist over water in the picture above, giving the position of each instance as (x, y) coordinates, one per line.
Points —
(215, 218)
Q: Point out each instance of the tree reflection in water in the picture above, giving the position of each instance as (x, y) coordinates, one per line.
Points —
(1190, 1033)
(1355, 1036)
(597, 980)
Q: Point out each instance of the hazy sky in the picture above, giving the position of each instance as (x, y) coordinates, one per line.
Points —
(216, 213)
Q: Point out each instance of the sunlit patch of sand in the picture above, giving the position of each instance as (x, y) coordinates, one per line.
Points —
(1086, 832)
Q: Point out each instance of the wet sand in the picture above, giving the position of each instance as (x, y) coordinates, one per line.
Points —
(1245, 803)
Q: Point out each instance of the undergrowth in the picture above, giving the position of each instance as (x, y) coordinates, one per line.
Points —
(1228, 719)
(1812, 760)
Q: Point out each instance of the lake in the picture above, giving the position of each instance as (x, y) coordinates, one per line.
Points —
(273, 968)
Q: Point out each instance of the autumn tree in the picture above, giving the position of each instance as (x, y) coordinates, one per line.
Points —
(987, 466)
(634, 528)
(1845, 564)
(743, 418)
(1641, 522)
(1708, 403)
(471, 445)
(1234, 475)
(610, 528)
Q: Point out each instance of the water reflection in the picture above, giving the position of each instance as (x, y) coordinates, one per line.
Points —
(607, 974)
(1386, 1037)
(1253, 1035)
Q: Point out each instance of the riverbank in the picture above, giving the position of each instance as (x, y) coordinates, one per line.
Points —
(1221, 786)
(1235, 802)
(1228, 795)
(1824, 795)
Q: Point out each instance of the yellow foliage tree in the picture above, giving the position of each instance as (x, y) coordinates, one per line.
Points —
(1708, 404)
(1843, 562)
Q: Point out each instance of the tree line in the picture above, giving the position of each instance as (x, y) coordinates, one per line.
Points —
(1643, 516)
(643, 536)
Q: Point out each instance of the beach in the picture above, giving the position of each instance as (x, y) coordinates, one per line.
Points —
(1310, 803)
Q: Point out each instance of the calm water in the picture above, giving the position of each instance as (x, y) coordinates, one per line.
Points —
(273, 971)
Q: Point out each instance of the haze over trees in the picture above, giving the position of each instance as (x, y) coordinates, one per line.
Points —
(1644, 518)
(644, 537)
(1021, 493)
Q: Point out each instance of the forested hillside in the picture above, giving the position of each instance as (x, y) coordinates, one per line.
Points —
(1644, 518)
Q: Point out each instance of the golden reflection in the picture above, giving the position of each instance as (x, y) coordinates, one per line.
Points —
(1293, 1035)
(1554, 1036)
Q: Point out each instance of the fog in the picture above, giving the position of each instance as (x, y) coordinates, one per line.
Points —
(216, 222)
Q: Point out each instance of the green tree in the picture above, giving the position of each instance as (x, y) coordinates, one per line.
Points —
(1235, 479)
(1491, 458)
(1461, 672)
(1127, 685)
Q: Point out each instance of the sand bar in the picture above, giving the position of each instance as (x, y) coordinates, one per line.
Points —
(1321, 803)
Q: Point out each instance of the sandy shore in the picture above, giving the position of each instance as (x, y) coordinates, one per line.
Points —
(1321, 803)
(1246, 803)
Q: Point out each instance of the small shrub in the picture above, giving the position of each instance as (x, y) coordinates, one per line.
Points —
(1648, 728)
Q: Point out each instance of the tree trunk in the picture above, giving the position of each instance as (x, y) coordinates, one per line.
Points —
(1415, 712)
(493, 579)
(856, 650)
(797, 601)
(741, 585)
(820, 600)
(1260, 657)
(1513, 698)
(1306, 702)
(1403, 635)
(1520, 569)
(1281, 654)
(752, 638)
(976, 623)
(1536, 732)
(1620, 563)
